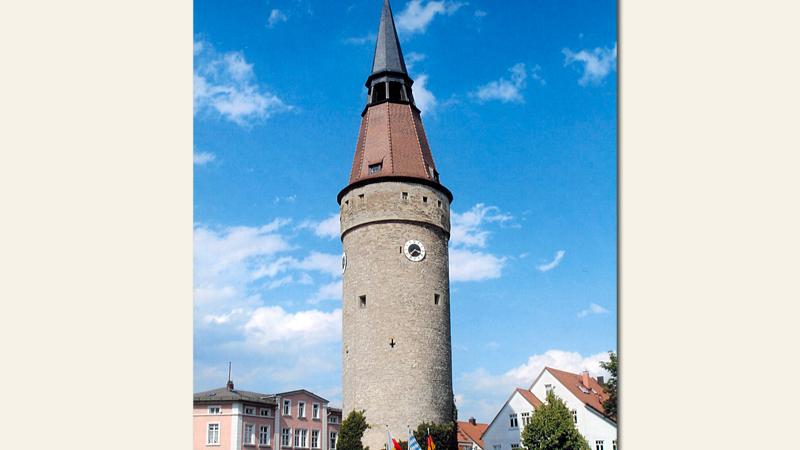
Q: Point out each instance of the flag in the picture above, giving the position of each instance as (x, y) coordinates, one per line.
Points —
(412, 442)
(391, 444)
(431, 445)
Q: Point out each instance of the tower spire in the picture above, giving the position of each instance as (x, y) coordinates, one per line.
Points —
(388, 55)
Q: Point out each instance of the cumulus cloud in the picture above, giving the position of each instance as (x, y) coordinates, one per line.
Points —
(330, 291)
(201, 158)
(226, 85)
(468, 228)
(468, 234)
(552, 264)
(466, 265)
(425, 100)
(271, 325)
(418, 14)
(327, 228)
(593, 308)
(413, 57)
(508, 90)
(361, 40)
(276, 17)
(596, 64)
(485, 391)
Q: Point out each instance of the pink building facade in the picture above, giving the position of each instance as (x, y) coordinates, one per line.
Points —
(232, 419)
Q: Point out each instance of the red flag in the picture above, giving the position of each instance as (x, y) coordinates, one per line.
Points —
(431, 445)
(396, 445)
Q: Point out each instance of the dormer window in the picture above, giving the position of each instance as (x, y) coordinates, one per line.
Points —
(375, 168)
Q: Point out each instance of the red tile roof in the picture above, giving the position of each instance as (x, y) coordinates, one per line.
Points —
(528, 395)
(392, 135)
(572, 381)
(469, 432)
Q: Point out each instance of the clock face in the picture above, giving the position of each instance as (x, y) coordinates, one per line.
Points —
(344, 262)
(414, 250)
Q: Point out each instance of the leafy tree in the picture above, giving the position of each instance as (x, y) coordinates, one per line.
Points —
(551, 428)
(443, 434)
(351, 431)
(610, 387)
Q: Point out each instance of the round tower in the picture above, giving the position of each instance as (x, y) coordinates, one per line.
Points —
(395, 227)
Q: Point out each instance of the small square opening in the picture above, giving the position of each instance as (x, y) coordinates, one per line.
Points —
(375, 168)
(435, 299)
(405, 195)
(362, 301)
(440, 203)
(424, 199)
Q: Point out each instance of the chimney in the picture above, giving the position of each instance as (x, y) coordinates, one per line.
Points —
(601, 380)
(585, 379)
(230, 385)
(472, 420)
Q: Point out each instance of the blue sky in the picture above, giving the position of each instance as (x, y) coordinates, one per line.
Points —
(519, 105)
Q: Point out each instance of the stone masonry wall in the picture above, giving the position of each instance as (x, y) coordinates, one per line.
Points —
(410, 382)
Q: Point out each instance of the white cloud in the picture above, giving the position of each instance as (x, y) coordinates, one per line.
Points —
(506, 90)
(424, 99)
(202, 158)
(552, 264)
(417, 15)
(226, 85)
(413, 57)
(466, 265)
(597, 63)
(276, 17)
(467, 228)
(288, 199)
(273, 325)
(361, 40)
(484, 391)
(480, 13)
(328, 228)
(322, 262)
(330, 291)
(593, 308)
(468, 232)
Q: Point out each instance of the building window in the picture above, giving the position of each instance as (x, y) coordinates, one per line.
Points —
(440, 203)
(333, 440)
(301, 409)
(213, 434)
(249, 411)
(548, 388)
(614, 443)
(263, 435)
(249, 437)
(287, 407)
(362, 301)
(514, 446)
(514, 423)
(405, 195)
(598, 445)
(435, 299)
(214, 410)
(574, 416)
(286, 437)
(375, 168)
(496, 447)
(333, 419)
(424, 199)
(526, 417)
(314, 438)
(297, 437)
(303, 439)
(315, 411)
(266, 412)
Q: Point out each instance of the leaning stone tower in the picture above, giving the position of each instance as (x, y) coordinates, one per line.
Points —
(395, 227)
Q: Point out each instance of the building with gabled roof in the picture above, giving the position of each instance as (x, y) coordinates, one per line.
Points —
(238, 420)
(582, 394)
(469, 434)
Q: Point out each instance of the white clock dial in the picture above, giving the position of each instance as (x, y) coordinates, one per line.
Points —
(414, 250)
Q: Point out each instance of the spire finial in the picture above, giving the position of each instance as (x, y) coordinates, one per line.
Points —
(388, 56)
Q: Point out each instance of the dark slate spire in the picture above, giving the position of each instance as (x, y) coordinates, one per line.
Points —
(388, 56)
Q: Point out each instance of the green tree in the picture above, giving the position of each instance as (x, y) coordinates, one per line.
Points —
(443, 434)
(551, 428)
(351, 431)
(610, 387)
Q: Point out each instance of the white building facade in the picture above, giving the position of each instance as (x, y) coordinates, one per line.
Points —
(582, 394)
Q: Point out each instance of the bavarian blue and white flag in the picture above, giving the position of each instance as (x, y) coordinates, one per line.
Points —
(412, 442)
